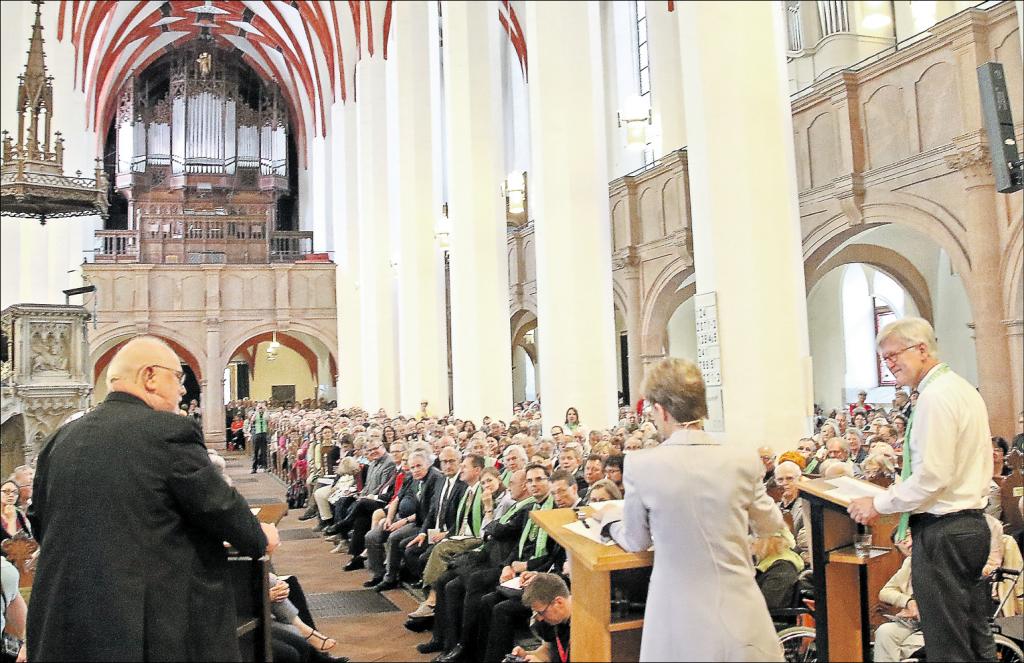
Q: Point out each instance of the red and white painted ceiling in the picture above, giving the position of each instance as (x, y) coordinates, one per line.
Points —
(301, 45)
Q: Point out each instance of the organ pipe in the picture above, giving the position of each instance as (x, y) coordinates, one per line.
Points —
(209, 121)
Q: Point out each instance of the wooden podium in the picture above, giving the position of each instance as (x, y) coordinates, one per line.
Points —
(845, 586)
(596, 571)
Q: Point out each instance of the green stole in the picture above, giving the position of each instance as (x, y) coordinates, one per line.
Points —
(941, 369)
(510, 514)
(534, 532)
(476, 514)
(506, 476)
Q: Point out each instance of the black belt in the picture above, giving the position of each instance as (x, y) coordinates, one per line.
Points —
(919, 520)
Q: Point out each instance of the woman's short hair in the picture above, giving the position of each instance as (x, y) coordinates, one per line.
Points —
(608, 486)
(909, 331)
(791, 457)
(1002, 444)
(678, 386)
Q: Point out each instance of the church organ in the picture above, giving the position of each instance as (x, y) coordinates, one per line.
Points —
(202, 158)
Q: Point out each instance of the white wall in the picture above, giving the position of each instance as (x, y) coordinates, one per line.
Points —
(682, 332)
(952, 314)
(825, 325)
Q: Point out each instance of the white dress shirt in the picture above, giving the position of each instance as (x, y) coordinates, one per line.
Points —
(448, 483)
(950, 451)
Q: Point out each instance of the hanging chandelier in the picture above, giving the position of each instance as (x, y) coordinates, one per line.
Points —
(32, 180)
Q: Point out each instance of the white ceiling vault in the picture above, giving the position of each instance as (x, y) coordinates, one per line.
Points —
(310, 48)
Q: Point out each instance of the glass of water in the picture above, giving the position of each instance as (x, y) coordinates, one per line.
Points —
(862, 544)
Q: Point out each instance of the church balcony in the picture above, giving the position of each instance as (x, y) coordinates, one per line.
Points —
(190, 241)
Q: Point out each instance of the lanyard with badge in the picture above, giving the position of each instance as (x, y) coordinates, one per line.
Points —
(563, 653)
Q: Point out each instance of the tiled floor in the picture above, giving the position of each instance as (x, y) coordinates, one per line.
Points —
(362, 636)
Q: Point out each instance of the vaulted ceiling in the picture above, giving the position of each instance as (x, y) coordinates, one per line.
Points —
(303, 46)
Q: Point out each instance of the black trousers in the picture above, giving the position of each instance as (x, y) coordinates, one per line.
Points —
(500, 618)
(448, 589)
(949, 554)
(259, 451)
(416, 559)
(396, 553)
(478, 584)
(361, 516)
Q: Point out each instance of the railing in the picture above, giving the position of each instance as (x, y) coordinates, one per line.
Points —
(116, 246)
(205, 228)
(290, 245)
(126, 245)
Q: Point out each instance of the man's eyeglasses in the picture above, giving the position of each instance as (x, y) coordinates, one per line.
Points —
(539, 614)
(891, 356)
(178, 374)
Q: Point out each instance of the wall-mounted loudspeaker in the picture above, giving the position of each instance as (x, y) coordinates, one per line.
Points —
(995, 110)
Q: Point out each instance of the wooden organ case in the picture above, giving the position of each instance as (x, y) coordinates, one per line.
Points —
(201, 157)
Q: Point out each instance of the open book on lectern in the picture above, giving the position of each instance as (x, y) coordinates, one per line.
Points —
(840, 490)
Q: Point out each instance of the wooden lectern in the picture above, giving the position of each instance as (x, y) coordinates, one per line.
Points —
(845, 586)
(596, 571)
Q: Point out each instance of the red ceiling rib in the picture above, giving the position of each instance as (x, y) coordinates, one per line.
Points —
(369, 28)
(99, 71)
(387, 27)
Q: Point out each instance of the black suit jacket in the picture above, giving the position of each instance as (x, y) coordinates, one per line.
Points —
(449, 510)
(131, 516)
(433, 483)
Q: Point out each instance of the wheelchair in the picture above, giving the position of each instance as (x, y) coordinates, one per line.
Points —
(795, 628)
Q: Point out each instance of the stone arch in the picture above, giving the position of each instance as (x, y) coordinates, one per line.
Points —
(924, 216)
(184, 355)
(104, 346)
(619, 299)
(665, 295)
(888, 262)
(523, 321)
(231, 344)
(298, 345)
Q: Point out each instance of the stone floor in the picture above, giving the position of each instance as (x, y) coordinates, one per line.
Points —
(361, 635)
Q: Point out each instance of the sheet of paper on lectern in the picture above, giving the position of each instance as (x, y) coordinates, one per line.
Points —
(593, 532)
(848, 488)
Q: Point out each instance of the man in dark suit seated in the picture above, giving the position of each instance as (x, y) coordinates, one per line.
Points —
(411, 509)
(440, 520)
(132, 518)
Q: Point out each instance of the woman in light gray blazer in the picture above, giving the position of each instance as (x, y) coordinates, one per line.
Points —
(696, 500)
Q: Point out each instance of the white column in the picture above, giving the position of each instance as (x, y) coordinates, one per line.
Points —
(414, 75)
(376, 276)
(666, 78)
(319, 191)
(569, 201)
(481, 348)
(746, 232)
(345, 207)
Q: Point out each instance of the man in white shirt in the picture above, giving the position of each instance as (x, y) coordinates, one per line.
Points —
(947, 467)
